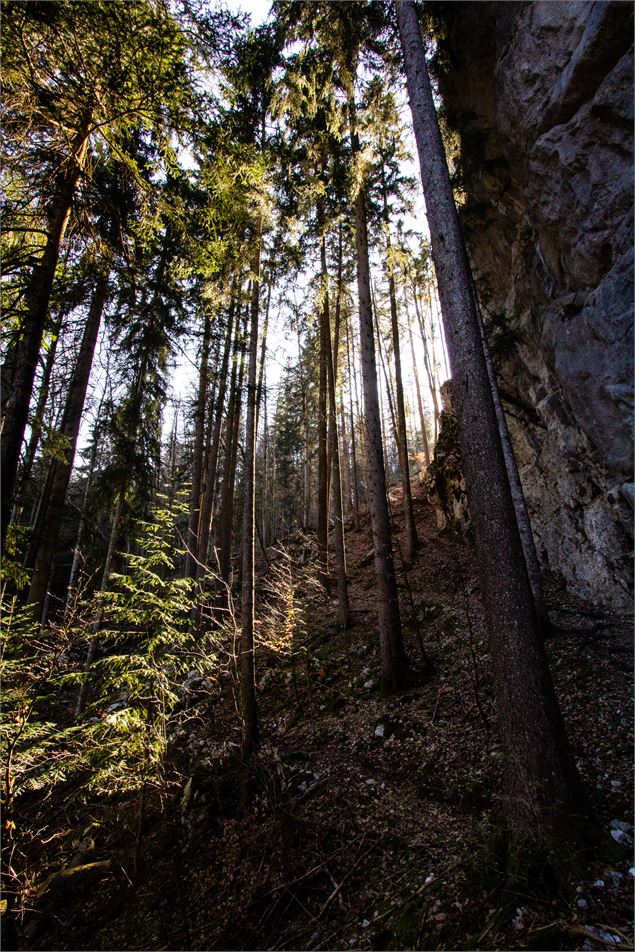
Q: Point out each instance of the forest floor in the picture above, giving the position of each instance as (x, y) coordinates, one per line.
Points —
(371, 818)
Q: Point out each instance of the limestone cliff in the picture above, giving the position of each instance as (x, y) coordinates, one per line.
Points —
(541, 96)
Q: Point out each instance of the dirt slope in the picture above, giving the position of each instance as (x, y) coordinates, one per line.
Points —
(372, 818)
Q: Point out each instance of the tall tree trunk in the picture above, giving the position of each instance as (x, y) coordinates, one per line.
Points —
(394, 666)
(359, 417)
(261, 396)
(60, 470)
(434, 311)
(520, 504)
(336, 483)
(426, 360)
(422, 418)
(382, 410)
(355, 474)
(273, 515)
(306, 463)
(323, 482)
(40, 409)
(170, 479)
(346, 462)
(211, 469)
(81, 528)
(232, 428)
(410, 530)
(37, 295)
(384, 370)
(263, 351)
(545, 804)
(266, 488)
(194, 520)
(247, 617)
(345, 455)
(115, 532)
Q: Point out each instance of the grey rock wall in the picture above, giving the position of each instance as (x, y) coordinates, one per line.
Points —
(541, 95)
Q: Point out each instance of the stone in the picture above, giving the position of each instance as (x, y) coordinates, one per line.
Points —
(117, 706)
(541, 96)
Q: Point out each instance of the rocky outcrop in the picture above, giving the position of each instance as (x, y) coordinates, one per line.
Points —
(541, 95)
(444, 481)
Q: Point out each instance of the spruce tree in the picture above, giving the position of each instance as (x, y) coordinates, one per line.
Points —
(545, 804)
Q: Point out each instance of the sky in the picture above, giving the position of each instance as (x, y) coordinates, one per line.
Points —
(257, 9)
(282, 344)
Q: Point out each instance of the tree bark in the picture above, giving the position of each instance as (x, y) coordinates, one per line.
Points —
(40, 409)
(382, 406)
(387, 381)
(411, 540)
(232, 427)
(115, 532)
(323, 483)
(306, 463)
(426, 360)
(247, 618)
(336, 481)
(194, 520)
(394, 667)
(263, 351)
(81, 528)
(545, 804)
(351, 387)
(518, 496)
(59, 473)
(346, 463)
(15, 411)
(422, 418)
(211, 469)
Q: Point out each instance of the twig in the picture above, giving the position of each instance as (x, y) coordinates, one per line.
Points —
(337, 887)
(434, 713)
(580, 930)
(315, 869)
(550, 925)
(387, 912)
(615, 930)
(350, 872)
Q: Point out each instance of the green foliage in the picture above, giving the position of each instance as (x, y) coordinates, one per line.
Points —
(29, 739)
(147, 651)
(12, 570)
(56, 445)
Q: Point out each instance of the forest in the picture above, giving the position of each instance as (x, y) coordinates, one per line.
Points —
(317, 475)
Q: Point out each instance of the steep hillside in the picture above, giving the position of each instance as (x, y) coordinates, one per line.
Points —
(371, 819)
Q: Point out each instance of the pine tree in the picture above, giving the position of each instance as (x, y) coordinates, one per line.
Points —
(545, 804)
(72, 98)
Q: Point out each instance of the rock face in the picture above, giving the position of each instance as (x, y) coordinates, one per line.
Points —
(443, 480)
(541, 96)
